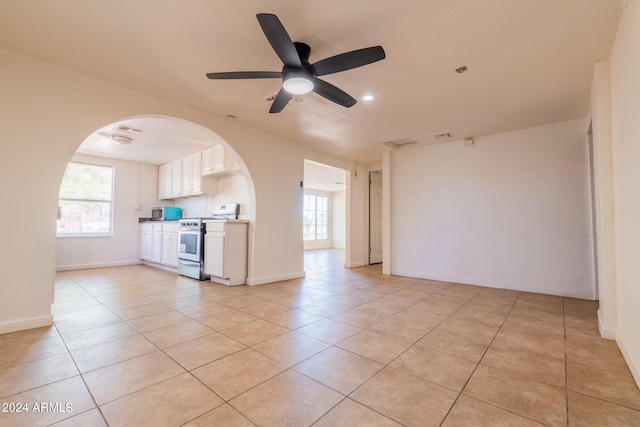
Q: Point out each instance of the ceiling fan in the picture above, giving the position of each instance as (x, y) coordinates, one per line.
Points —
(298, 75)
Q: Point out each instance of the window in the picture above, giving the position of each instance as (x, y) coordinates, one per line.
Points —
(85, 201)
(316, 217)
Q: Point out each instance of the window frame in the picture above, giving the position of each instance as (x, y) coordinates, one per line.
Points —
(327, 225)
(110, 202)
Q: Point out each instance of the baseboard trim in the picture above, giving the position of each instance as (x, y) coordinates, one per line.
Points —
(97, 265)
(355, 264)
(632, 362)
(24, 324)
(270, 279)
(608, 334)
(496, 284)
(160, 266)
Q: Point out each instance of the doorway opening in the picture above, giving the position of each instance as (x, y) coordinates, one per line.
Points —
(375, 217)
(594, 213)
(324, 215)
(134, 150)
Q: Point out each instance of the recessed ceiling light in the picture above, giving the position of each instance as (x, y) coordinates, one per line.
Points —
(367, 97)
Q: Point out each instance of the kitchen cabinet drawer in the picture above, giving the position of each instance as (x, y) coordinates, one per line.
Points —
(213, 227)
(172, 227)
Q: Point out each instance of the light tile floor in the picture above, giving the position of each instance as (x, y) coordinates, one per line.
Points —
(138, 346)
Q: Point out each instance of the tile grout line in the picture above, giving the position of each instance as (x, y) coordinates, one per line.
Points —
(328, 287)
(478, 365)
(80, 372)
(480, 360)
(566, 361)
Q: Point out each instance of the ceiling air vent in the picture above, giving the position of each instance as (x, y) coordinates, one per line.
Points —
(441, 136)
(399, 143)
(127, 129)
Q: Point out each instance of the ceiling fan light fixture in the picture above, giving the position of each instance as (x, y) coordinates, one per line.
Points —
(121, 139)
(297, 83)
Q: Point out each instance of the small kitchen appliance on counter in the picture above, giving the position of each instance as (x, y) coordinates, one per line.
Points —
(166, 213)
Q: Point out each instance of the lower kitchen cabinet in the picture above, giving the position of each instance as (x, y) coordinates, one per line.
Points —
(225, 252)
(169, 251)
(159, 243)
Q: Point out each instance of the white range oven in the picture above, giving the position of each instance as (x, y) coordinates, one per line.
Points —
(191, 248)
(191, 240)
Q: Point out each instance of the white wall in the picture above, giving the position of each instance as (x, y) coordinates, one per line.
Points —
(625, 136)
(604, 202)
(42, 123)
(122, 247)
(232, 188)
(338, 217)
(511, 211)
(357, 219)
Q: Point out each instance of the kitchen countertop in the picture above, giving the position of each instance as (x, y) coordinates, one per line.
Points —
(239, 221)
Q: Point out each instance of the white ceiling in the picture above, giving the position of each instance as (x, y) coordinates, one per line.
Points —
(323, 177)
(530, 61)
(161, 139)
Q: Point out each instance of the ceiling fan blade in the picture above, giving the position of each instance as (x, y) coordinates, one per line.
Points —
(279, 39)
(246, 75)
(332, 93)
(281, 101)
(348, 60)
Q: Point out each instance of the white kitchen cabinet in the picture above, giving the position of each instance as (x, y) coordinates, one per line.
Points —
(197, 181)
(156, 243)
(183, 178)
(225, 252)
(146, 241)
(176, 178)
(187, 176)
(164, 181)
(217, 161)
(169, 250)
(159, 243)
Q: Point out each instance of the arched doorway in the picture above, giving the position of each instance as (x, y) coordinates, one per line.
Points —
(135, 148)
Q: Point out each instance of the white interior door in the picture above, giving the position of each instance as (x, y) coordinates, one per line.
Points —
(375, 217)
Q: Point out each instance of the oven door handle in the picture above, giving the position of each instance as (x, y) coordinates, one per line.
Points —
(189, 263)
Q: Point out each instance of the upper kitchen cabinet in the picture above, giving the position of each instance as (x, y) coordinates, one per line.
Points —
(176, 178)
(183, 178)
(218, 161)
(164, 181)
